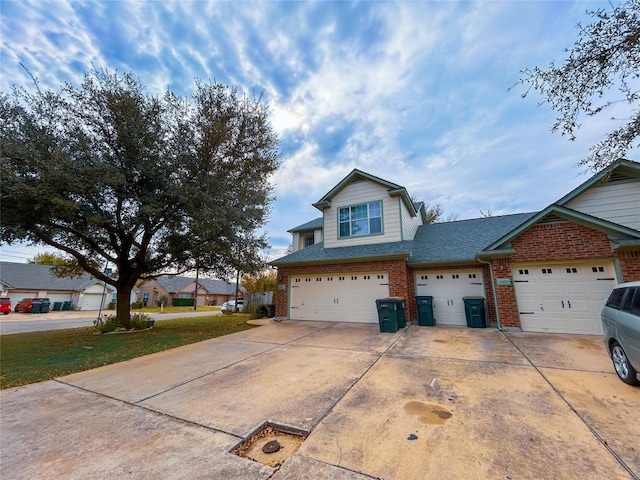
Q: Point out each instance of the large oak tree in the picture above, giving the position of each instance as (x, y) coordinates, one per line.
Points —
(602, 70)
(109, 173)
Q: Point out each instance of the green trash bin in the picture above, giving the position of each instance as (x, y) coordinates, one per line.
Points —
(56, 306)
(387, 315)
(402, 320)
(425, 311)
(66, 305)
(46, 304)
(474, 310)
(36, 306)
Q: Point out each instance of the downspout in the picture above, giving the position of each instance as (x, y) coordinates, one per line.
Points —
(493, 290)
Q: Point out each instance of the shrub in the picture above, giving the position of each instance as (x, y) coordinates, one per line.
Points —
(110, 323)
(262, 311)
(182, 302)
(137, 305)
(111, 306)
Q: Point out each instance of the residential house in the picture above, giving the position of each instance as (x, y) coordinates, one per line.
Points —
(208, 292)
(546, 271)
(25, 280)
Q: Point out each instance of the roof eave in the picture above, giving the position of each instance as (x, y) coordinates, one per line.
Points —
(442, 263)
(329, 261)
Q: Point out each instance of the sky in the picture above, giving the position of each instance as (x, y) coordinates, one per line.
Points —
(417, 93)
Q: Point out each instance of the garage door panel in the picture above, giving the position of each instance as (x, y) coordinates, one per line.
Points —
(562, 298)
(344, 297)
(448, 288)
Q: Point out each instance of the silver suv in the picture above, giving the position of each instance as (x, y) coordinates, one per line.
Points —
(621, 325)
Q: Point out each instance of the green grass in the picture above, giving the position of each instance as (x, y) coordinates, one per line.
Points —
(33, 357)
(169, 309)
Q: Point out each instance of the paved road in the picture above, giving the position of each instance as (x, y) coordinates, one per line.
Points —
(23, 322)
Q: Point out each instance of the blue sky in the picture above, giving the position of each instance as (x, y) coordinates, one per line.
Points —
(414, 92)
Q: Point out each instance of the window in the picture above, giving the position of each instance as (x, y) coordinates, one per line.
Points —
(358, 220)
(615, 299)
(308, 240)
(184, 295)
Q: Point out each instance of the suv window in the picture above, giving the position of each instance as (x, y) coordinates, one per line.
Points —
(632, 301)
(615, 299)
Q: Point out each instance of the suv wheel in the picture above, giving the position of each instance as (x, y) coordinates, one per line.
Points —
(621, 363)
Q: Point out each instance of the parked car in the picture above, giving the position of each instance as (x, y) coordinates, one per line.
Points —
(621, 325)
(5, 305)
(26, 304)
(230, 306)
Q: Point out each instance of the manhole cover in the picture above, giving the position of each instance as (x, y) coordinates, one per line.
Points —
(270, 445)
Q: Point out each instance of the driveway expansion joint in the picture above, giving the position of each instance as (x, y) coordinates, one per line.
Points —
(581, 417)
(147, 409)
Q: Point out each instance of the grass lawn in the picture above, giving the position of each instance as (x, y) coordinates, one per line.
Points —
(37, 356)
(169, 309)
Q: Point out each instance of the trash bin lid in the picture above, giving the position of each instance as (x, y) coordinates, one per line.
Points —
(473, 298)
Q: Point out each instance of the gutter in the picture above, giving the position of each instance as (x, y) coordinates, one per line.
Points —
(493, 290)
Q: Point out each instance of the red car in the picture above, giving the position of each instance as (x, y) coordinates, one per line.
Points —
(24, 305)
(5, 305)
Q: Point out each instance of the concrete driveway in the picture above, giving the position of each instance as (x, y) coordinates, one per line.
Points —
(428, 403)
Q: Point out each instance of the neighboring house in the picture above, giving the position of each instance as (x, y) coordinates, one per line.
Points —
(209, 292)
(541, 272)
(24, 280)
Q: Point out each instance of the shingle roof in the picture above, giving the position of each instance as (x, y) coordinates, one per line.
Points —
(312, 225)
(317, 254)
(461, 240)
(175, 283)
(31, 276)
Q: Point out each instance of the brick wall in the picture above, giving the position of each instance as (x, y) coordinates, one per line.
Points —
(560, 241)
(629, 264)
(397, 271)
(507, 305)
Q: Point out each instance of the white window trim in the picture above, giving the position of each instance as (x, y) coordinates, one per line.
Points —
(381, 232)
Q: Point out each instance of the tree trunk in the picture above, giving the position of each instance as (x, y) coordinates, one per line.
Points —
(123, 305)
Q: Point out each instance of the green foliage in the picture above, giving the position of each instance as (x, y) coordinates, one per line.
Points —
(107, 172)
(62, 266)
(600, 71)
(265, 311)
(163, 300)
(136, 305)
(38, 356)
(111, 323)
(263, 281)
(182, 302)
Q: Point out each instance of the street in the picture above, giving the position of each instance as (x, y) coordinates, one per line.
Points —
(27, 322)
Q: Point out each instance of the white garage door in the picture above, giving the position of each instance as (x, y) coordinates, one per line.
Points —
(562, 298)
(342, 297)
(448, 288)
(17, 296)
(92, 301)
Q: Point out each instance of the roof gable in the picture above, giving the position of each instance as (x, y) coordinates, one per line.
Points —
(557, 211)
(359, 176)
(618, 170)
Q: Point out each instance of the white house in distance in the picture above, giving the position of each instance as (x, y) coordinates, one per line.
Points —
(25, 280)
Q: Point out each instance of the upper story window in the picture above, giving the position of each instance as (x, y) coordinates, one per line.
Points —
(358, 220)
(308, 240)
